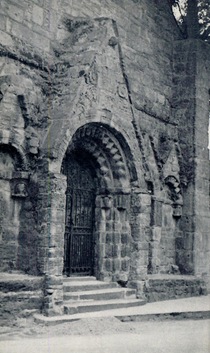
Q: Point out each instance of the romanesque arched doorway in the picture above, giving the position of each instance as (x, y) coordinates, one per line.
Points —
(99, 170)
(79, 220)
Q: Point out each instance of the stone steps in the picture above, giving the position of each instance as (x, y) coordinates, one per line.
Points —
(86, 285)
(84, 307)
(180, 309)
(101, 294)
(79, 279)
(86, 294)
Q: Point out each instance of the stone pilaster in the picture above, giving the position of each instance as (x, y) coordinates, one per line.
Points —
(52, 213)
(140, 234)
(112, 252)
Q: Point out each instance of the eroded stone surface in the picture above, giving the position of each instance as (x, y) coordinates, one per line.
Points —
(109, 79)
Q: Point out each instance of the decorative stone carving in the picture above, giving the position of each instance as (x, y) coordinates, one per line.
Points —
(174, 187)
(177, 210)
(20, 189)
(106, 202)
(122, 91)
(174, 193)
(92, 76)
(20, 184)
(121, 202)
(106, 150)
(177, 207)
(113, 41)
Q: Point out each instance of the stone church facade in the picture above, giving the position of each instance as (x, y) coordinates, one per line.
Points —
(104, 112)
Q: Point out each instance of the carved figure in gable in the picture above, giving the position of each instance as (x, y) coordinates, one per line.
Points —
(174, 194)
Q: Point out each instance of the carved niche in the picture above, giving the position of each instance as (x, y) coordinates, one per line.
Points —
(20, 184)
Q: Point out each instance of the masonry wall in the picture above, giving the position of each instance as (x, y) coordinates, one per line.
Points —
(61, 68)
(191, 109)
(202, 200)
(31, 27)
(10, 212)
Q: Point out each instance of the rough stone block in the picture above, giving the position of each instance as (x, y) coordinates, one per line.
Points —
(58, 216)
(116, 215)
(37, 15)
(184, 259)
(136, 232)
(109, 238)
(125, 251)
(102, 237)
(108, 250)
(109, 214)
(143, 245)
(116, 251)
(156, 234)
(2, 22)
(101, 226)
(205, 242)
(116, 264)
(125, 238)
(51, 281)
(126, 227)
(125, 264)
(117, 226)
(156, 213)
(6, 39)
(15, 12)
(28, 36)
(101, 250)
(187, 223)
(109, 226)
(116, 238)
(108, 265)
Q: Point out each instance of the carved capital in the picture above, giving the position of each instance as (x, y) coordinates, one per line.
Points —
(106, 202)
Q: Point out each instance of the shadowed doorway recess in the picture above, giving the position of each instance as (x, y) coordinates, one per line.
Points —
(80, 202)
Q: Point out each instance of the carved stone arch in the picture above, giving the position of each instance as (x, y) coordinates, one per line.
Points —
(96, 153)
(17, 153)
(104, 147)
